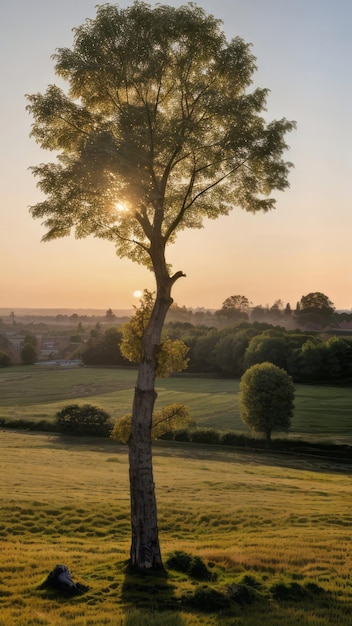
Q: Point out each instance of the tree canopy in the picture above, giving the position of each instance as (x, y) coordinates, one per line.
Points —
(157, 129)
(315, 308)
(238, 303)
(316, 300)
(234, 308)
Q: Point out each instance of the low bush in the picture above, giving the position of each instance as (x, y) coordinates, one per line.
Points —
(179, 561)
(206, 435)
(234, 439)
(241, 593)
(199, 570)
(194, 566)
(291, 591)
(87, 419)
(294, 591)
(182, 435)
(24, 424)
(206, 599)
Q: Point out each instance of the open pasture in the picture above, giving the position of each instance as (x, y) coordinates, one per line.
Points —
(271, 523)
(38, 393)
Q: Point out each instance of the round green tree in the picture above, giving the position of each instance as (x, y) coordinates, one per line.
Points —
(266, 399)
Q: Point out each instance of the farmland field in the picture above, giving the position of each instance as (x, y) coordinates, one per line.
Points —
(39, 392)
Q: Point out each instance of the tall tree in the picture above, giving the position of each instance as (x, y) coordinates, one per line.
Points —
(234, 308)
(316, 300)
(315, 309)
(157, 131)
(238, 303)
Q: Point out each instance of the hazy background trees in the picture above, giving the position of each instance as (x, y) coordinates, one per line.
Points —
(215, 343)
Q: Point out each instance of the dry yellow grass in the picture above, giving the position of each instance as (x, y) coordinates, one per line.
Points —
(66, 501)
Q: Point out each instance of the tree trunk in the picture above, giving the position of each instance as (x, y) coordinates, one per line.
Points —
(145, 549)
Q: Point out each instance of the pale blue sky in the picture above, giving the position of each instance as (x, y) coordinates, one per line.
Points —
(304, 55)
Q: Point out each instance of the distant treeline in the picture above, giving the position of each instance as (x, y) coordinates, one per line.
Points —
(306, 356)
(313, 312)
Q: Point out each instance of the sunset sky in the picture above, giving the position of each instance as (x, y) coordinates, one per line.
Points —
(304, 56)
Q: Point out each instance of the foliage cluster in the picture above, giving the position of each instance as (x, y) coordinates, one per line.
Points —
(86, 419)
(164, 423)
(171, 353)
(194, 566)
(266, 399)
(102, 347)
(313, 312)
(307, 357)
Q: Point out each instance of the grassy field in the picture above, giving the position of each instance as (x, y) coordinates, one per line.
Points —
(274, 531)
(278, 529)
(39, 392)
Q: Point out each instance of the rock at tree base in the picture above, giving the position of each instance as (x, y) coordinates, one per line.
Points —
(60, 579)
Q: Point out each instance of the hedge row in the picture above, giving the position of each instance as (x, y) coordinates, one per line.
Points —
(342, 453)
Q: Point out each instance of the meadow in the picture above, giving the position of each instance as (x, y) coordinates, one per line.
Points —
(278, 530)
(272, 532)
(37, 393)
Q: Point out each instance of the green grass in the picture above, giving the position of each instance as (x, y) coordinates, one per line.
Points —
(251, 520)
(273, 523)
(37, 393)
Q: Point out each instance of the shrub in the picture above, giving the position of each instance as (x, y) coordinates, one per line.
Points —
(27, 424)
(179, 561)
(44, 425)
(241, 593)
(182, 435)
(290, 592)
(206, 435)
(293, 592)
(164, 423)
(199, 570)
(83, 420)
(194, 566)
(206, 599)
(235, 439)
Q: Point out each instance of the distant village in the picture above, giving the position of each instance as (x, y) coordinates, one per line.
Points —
(56, 338)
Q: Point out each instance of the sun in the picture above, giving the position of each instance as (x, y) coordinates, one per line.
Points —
(120, 207)
(138, 293)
